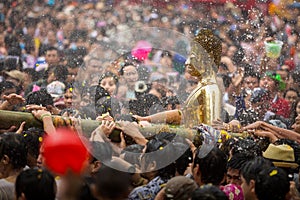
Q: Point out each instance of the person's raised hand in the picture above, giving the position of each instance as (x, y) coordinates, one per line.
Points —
(132, 129)
(40, 114)
(107, 127)
(14, 99)
(255, 125)
(32, 107)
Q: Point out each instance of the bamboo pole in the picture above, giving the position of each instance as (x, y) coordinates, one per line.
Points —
(10, 118)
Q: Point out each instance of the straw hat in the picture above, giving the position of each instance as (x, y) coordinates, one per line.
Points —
(16, 74)
(281, 155)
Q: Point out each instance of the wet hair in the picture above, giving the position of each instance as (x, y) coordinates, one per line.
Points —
(295, 76)
(12, 63)
(104, 103)
(36, 184)
(13, 146)
(108, 74)
(173, 100)
(250, 170)
(6, 85)
(51, 48)
(111, 183)
(132, 153)
(209, 192)
(212, 167)
(163, 150)
(33, 138)
(169, 152)
(101, 151)
(185, 159)
(60, 72)
(41, 97)
(31, 72)
(272, 183)
(121, 71)
(251, 73)
(238, 160)
(248, 146)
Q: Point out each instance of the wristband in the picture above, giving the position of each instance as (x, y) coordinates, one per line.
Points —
(44, 115)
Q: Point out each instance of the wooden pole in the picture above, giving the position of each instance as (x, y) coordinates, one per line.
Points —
(10, 118)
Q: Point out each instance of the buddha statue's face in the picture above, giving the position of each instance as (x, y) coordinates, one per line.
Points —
(190, 65)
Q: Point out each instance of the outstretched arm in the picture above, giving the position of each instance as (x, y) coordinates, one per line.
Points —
(278, 132)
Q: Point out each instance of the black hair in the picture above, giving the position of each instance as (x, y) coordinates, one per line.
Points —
(12, 63)
(209, 192)
(248, 146)
(105, 103)
(238, 160)
(132, 153)
(51, 48)
(36, 184)
(166, 54)
(250, 170)
(101, 151)
(41, 97)
(6, 85)
(272, 183)
(74, 62)
(121, 71)
(31, 72)
(166, 154)
(60, 72)
(33, 138)
(170, 100)
(239, 55)
(112, 183)
(185, 159)
(295, 75)
(252, 73)
(212, 167)
(13, 146)
(291, 89)
(106, 75)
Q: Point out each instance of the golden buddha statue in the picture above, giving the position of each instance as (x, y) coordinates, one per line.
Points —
(204, 103)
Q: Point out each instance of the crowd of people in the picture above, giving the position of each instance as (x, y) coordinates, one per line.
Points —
(123, 65)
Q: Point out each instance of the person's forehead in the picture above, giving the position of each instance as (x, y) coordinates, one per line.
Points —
(51, 52)
(129, 68)
(109, 78)
(291, 93)
(233, 171)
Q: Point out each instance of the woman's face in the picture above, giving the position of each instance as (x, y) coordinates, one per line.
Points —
(291, 96)
(267, 83)
(130, 75)
(109, 84)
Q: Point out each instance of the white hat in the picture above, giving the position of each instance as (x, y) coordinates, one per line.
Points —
(56, 89)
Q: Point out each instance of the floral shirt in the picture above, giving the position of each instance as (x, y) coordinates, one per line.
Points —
(148, 191)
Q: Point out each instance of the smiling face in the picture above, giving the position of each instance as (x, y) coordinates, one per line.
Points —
(109, 84)
(130, 75)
